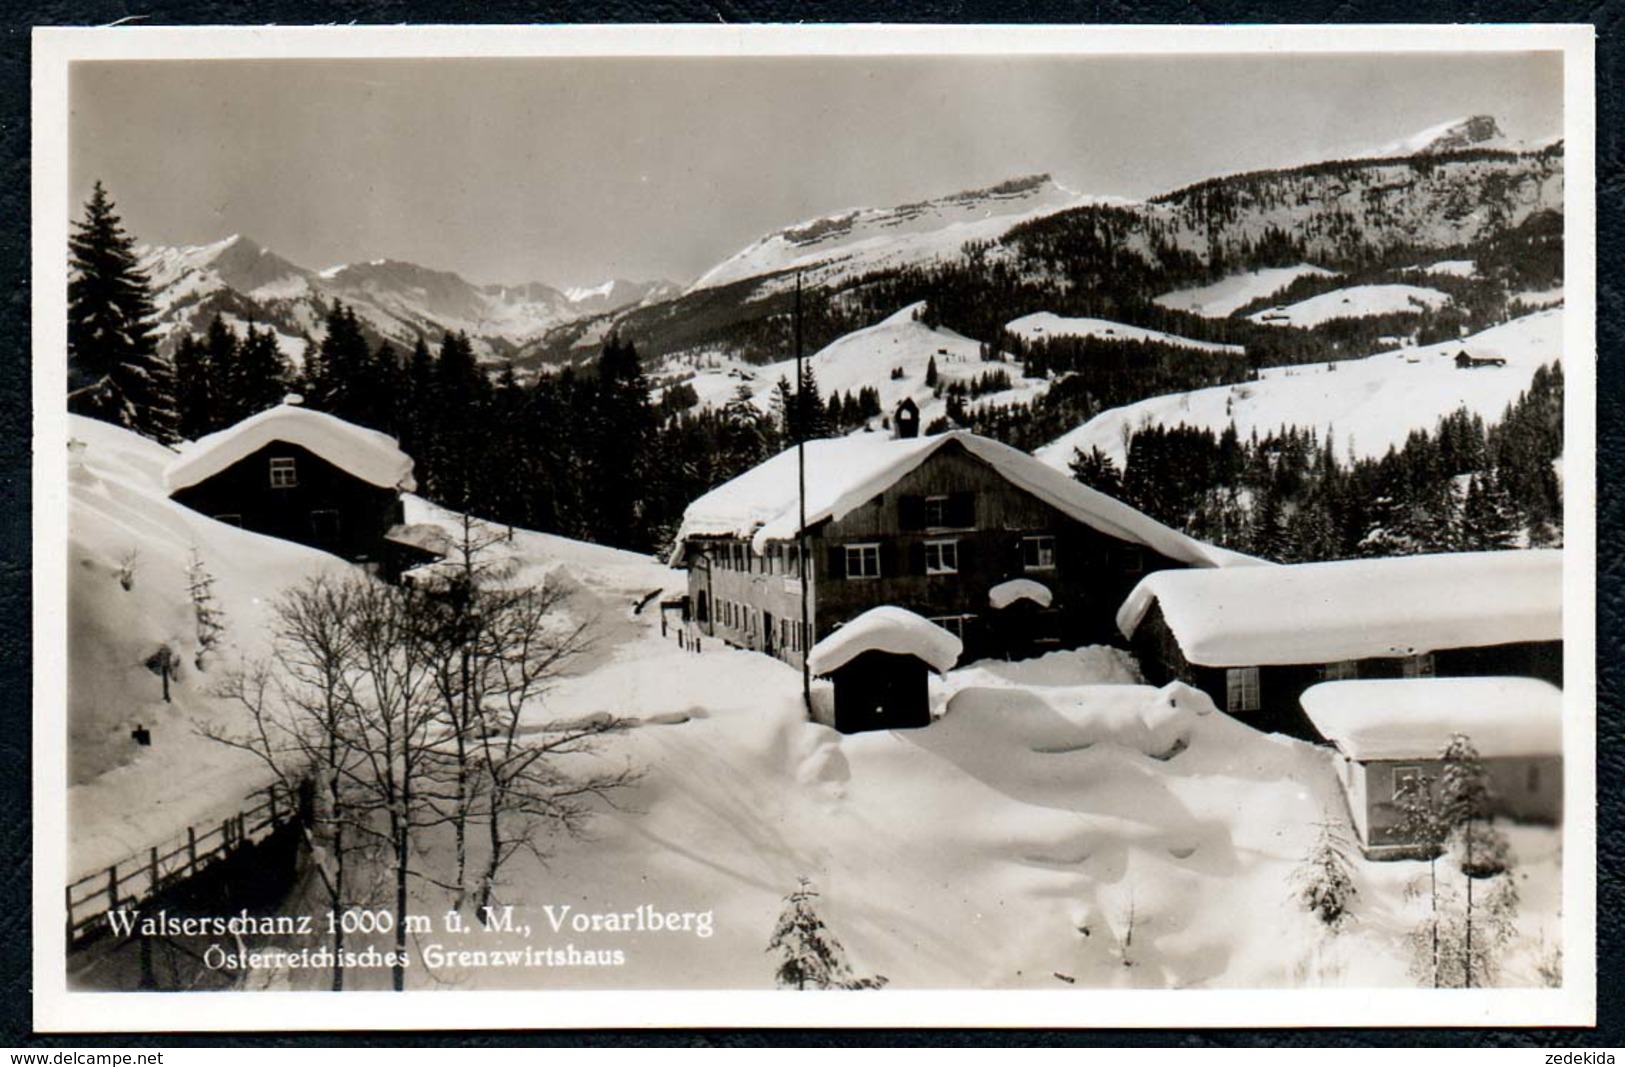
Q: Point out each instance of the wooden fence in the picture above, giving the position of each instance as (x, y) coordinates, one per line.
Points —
(138, 877)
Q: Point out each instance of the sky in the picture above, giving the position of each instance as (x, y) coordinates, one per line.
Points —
(573, 170)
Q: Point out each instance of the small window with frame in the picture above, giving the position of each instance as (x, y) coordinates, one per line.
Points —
(942, 557)
(1406, 781)
(863, 561)
(284, 472)
(1038, 552)
(1418, 666)
(1340, 671)
(1241, 689)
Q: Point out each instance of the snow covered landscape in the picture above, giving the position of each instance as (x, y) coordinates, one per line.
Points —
(1151, 587)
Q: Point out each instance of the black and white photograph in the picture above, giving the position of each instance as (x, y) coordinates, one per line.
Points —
(1031, 525)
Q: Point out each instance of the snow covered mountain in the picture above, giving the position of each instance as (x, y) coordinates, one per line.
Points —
(1457, 135)
(853, 242)
(243, 282)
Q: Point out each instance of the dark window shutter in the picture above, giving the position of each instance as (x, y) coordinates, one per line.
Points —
(888, 559)
(916, 558)
(837, 562)
(911, 513)
(967, 554)
(961, 510)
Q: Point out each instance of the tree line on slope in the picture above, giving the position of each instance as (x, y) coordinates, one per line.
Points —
(1286, 496)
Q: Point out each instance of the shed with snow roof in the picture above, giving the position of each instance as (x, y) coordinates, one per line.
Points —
(304, 476)
(1390, 736)
(1255, 638)
(879, 663)
(932, 524)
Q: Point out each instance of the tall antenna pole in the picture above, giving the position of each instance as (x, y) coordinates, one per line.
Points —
(801, 499)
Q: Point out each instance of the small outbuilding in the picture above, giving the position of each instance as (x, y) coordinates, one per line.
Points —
(1021, 616)
(1391, 733)
(879, 663)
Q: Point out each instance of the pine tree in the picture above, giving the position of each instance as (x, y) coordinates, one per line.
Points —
(931, 373)
(1326, 879)
(209, 616)
(1097, 470)
(262, 376)
(194, 398)
(810, 955)
(1465, 804)
(220, 348)
(114, 370)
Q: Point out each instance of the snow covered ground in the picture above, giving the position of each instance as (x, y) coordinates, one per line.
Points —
(1060, 826)
(1354, 302)
(1366, 404)
(1042, 324)
(1228, 295)
(865, 357)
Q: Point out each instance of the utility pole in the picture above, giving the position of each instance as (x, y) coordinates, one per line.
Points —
(801, 499)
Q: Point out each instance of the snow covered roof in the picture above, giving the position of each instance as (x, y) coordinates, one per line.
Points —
(1355, 609)
(369, 455)
(1004, 594)
(846, 472)
(1414, 718)
(886, 629)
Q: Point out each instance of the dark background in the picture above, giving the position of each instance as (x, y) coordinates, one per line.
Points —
(16, 1005)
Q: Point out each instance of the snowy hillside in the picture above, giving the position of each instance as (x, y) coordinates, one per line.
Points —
(1354, 302)
(866, 239)
(863, 358)
(122, 530)
(1366, 404)
(1228, 295)
(1043, 324)
(1453, 135)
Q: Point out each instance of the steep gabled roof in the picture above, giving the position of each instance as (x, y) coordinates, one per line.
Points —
(1354, 609)
(886, 629)
(845, 472)
(371, 456)
(1415, 718)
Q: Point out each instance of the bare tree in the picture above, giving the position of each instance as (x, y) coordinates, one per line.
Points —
(298, 720)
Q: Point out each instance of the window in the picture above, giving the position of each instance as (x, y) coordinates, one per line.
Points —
(1038, 553)
(284, 475)
(863, 561)
(936, 511)
(1241, 689)
(954, 624)
(1420, 666)
(1406, 780)
(942, 557)
(1342, 670)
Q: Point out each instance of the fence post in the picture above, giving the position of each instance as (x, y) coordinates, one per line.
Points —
(154, 876)
(112, 888)
(68, 900)
(191, 851)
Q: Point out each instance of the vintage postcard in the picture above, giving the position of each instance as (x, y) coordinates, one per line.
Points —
(902, 526)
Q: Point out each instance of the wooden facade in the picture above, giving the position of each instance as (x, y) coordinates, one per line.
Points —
(1266, 695)
(881, 691)
(288, 491)
(935, 541)
(1524, 788)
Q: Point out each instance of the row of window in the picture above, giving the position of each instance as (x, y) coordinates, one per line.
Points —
(1242, 689)
(942, 556)
(780, 559)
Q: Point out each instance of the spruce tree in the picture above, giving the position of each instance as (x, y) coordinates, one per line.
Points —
(262, 376)
(115, 372)
(220, 363)
(194, 397)
(811, 957)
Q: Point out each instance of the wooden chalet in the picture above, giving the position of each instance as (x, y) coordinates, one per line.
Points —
(307, 477)
(1255, 638)
(1389, 736)
(930, 524)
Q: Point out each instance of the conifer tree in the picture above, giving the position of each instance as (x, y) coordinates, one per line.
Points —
(262, 376)
(194, 397)
(115, 372)
(220, 346)
(811, 957)
(1097, 470)
(1325, 881)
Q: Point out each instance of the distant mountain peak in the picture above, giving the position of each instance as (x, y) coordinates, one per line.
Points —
(1474, 131)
